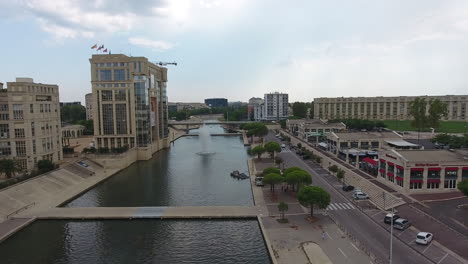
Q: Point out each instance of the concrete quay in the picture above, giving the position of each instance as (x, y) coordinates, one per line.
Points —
(162, 212)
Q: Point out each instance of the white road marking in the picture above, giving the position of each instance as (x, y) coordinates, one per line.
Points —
(332, 206)
(346, 206)
(376, 214)
(427, 248)
(337, 205)
(402, 232)
(352, 206)
(354, 246)
(442, 258)
(342, 253)
(329, 235)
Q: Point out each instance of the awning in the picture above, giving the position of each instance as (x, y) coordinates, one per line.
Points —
(390, 163)
(382, 170)
(433, 180)
(416, 180)
(369, 160)
(399, 178)
(399, 167)
(434, 169)
(417, 169)
(389, 174)
(323, 145)
(382, 160)
(465, 168)
(451, 168)
(400, 143)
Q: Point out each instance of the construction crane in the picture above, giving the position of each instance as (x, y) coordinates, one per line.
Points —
(162, 63)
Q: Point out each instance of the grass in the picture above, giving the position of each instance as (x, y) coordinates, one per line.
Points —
(445, 126)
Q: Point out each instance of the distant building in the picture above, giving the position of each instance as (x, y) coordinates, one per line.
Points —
(384, 108)
(237, 104)
(185, 106)
(313, 130)
(62, 104)
(275, 107)
(130, 103)
(216, 102)
(89, 106)
(254, 101)
(30, 123)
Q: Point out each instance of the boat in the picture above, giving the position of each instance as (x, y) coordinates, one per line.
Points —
(238, 175)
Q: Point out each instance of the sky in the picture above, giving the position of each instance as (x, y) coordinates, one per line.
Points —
(238, 49)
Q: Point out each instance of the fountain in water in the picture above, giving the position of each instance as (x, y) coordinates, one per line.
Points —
(205, 140)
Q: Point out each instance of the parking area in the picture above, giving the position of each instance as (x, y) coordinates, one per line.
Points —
(434, 251)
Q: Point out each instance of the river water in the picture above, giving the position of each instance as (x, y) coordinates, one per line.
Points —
(174, 177)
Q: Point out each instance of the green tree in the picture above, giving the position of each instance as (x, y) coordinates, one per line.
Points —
(299, 178)
(299, 109)
(417, 110)
(299, 145)
(272, 147)
(279, 161)
(258, 150)
(340, 174)
(72, 113)
(271, 170)
(9, 167)
(89, 126)
(45, 165)
(255, 129)
(272, 179)
(292, 179)
(311, 196)
(283, 123)
(463, 187)
(437, 109)
(290, 169)
(333, 169)
(283, 207)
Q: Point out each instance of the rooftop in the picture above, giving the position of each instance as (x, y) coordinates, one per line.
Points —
(366, 135)
(433, 155)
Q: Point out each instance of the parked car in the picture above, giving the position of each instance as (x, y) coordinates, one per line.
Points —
(283, 145)
(424, 238)
(360, 196)
(401, 224)
(389, 218)
(347, 188)
(259, 181)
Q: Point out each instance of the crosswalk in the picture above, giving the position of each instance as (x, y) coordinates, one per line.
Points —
(285, 150)
(340, 206)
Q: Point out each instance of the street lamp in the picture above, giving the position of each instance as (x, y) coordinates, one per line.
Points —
(391, 227)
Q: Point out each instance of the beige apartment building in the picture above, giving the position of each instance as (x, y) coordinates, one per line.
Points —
(89, 106)
(30, 127)
(384, 108)
(130, 103)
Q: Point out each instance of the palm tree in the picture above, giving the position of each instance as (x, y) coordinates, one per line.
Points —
(9, 167)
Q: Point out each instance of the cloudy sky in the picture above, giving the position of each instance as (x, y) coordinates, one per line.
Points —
(243, 48)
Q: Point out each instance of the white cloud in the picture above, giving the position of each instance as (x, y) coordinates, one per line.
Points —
(158, 45)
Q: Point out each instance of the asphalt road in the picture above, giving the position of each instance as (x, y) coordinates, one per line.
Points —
(374, 237)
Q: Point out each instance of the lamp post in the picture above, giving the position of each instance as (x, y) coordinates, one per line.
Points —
(391, 228)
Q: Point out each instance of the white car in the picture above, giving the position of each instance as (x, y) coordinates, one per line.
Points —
(360, 196)
(259, 181)
(283, 145)
(424, 238)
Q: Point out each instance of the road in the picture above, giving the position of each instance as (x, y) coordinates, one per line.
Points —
(374, 237)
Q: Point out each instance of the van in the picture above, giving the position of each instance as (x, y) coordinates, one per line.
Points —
(259, 181)
(401, 224)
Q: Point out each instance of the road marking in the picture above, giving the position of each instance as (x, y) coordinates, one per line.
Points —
(332, 207)
(442, 258)
(328, 235)
(342, 253)
(352, 206)
(347, 206)
(354, 246)
(402, 232)
(337, 205)
(427, 248)
(375, 214)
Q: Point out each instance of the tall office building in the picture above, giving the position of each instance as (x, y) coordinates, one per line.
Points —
(30, 122)
(276, 106)
(89, 106)
(130, 103)
(216, 102)
(384, 108)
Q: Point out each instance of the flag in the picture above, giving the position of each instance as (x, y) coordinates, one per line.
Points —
(104, 50)
(93, 47)
(99, 48)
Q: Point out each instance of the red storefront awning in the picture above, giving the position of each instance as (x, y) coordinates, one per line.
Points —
(389, 174)
(451, 168)
(434, 169)
(399, 178)
(382, 170)
(433, 180)
(370, 161)
(416, 180)
(382, 160)
(399, 167)
(417, 169)
(465, 168)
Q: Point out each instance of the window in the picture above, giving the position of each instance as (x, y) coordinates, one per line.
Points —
(19, 132)
(33, 129)
(4, 116)
(119, 75)
(31, 108)
(21, 148)
(34, 146)
(105, 75)
(3, 107)
(5, 148)
(41, 108)
(108, 119)
(415, 185)
(106, 95)
(17, 111)
(121, 118)
(433, 185)
(21, 164)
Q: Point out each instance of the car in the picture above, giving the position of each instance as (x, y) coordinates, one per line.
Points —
(401, 224)
(259, 181)
(389, 218)
(283, 145)
(360, 196)
(347, 188)
(424, 238)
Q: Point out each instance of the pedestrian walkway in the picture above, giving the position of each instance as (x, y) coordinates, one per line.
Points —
(340, 206)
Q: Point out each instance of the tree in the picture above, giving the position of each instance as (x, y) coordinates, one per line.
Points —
(258, 150)
(9, 167)
(299, 109)
(437, 109)
(278, 161)
(272, 179)
(290, 169)
(45, 166)
(463, 187)
(311, 196)
(255, 129)
(72, 113)
(283, 123)
(271, 170)
(89, 126)
(271, 147)
(282, 207)
(340, 174)
(333, 169)
(299, 145)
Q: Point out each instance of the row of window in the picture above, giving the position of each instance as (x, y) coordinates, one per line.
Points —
(119, 95)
